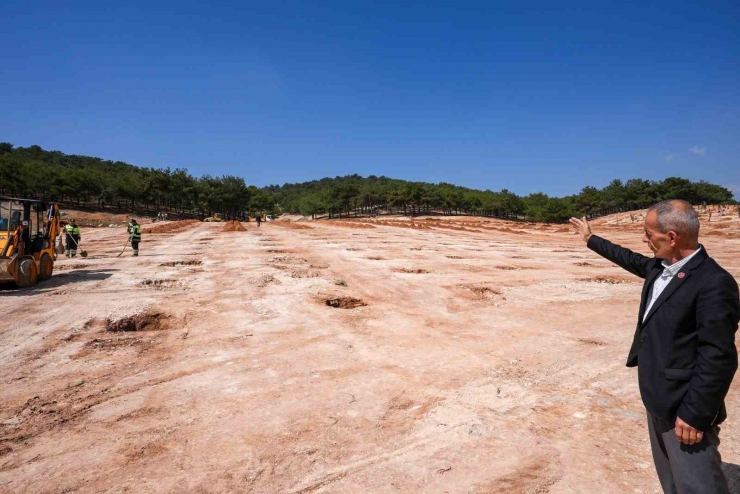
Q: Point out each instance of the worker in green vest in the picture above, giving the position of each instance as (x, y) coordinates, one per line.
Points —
(73, 237)
(134, 231)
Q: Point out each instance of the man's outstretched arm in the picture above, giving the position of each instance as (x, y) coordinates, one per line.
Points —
(631, 261)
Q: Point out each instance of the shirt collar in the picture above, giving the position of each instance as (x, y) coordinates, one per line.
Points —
(674, 268)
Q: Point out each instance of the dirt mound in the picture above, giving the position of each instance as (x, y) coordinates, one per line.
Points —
(174, 227)
(143, 321)
(291, 226)
(233, 226)
(181, 263)
(345, 303)
(347, 224)
(454, 257)
(584, 264)
(96, 219)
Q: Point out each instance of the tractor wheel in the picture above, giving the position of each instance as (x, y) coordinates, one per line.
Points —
(27, 273)
(47, 267)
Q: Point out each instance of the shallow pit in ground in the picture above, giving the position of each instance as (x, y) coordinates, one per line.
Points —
(304, 273)
(345, 303)
(181, 263)
(609, 279)
(411, 270)
(160, 284)
(143, 321)
(266, 279)
(287, 259)
(482, 291)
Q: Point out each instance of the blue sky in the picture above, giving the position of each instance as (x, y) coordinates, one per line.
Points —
(530, 96)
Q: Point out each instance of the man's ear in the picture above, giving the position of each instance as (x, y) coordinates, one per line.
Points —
(673, 238)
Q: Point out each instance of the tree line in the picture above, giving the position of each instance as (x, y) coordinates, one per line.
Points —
(86, 181)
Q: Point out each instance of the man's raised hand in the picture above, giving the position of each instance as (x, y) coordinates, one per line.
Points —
(582, 228)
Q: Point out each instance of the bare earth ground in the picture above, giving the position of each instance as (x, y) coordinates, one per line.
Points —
(488, 357)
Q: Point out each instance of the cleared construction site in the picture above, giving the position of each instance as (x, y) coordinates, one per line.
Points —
(391, 354)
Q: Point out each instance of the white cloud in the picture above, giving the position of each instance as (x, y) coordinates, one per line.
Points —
(698, 150)
(671, 157)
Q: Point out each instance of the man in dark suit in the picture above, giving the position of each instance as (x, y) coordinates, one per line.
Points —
(684, 345)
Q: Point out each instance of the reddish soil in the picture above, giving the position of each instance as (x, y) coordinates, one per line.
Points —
(170, 227)
(291, 225)
(424, 355)
(347, 224)
(233, 226)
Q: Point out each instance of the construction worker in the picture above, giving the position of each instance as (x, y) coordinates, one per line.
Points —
(134, 231)
(73, 237)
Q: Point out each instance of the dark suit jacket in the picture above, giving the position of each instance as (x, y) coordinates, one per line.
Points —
(685, 350)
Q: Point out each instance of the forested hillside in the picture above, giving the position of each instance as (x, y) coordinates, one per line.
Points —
(94, 182)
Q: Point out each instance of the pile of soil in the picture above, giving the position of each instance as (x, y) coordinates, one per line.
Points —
(291, 225)
(175, 226)
(97, 219)
(347, 224)
(234, 226)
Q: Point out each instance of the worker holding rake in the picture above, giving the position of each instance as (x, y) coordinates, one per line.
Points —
(134, 231)
(73, 237)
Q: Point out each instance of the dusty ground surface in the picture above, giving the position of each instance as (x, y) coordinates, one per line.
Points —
(392, 355)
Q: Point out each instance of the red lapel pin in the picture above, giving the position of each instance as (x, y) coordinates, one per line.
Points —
(681, 275)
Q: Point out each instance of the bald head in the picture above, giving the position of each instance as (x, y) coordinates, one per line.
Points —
(677, 216)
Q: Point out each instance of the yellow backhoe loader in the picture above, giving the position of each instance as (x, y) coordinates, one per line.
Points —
(28, 230)
(215, 218)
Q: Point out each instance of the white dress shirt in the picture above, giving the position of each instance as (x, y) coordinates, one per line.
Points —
(669, 271)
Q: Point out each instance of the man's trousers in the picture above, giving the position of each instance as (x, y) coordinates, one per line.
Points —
(684, 469)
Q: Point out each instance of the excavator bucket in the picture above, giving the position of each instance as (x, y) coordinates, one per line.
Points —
(8, 266)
